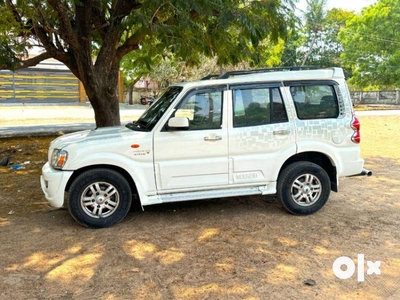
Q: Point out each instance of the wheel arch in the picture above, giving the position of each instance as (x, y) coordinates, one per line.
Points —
(120, 170)
(318, 158)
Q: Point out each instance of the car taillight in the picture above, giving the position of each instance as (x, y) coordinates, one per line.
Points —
(355, 125)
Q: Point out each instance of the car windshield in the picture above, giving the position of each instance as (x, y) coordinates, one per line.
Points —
(152, 115)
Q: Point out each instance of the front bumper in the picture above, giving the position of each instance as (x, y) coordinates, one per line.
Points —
(53, 183)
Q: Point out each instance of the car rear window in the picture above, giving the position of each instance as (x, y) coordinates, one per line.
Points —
(317, 101)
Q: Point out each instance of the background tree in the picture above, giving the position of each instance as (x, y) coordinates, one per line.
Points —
(171, 69)
(168, 70)
(136, 65)
(315, 23)
(331, 48)
(327, 48)
(92, 36)
(12, 46)
(371, 43)
(315, 40)
(291, 54)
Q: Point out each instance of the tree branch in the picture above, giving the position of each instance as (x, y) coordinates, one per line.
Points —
(154, 17)
(67, 32)
(123, 8)
(119, 10)
(83, 21)
(29, 62)
(51, 49)
(44, 38)
(99, 22)
(16, 15)
(59, 45)
(132, 43)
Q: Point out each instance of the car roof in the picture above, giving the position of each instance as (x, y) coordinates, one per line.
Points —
(278, 76)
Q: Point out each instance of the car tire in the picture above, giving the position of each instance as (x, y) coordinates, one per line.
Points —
(99, 198)
(303, 188)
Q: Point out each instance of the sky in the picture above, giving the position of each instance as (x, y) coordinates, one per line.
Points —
(351, 5)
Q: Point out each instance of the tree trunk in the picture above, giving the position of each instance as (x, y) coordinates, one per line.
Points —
(106, 109)
(310, 49)
(101, 89)
(130, 94)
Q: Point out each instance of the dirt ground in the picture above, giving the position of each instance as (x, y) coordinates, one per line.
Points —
(237, 248)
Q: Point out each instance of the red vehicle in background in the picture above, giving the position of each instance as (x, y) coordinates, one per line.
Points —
(147, 100)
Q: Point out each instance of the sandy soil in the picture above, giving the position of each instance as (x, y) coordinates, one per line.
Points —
(237, 248)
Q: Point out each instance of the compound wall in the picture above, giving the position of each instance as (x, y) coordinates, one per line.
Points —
(382, 98)
(39, 86)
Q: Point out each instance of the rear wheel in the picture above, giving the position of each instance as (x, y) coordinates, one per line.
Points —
(303, 188)
(99, 198)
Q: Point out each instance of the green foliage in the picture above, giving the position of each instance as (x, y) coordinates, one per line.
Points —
(292, 53)
(92, 37)
(371, 43)
(327, 48)
(190, 40)
(108, 30)
(167, 68)
(12, 42)
(315, 15)
(315, 41)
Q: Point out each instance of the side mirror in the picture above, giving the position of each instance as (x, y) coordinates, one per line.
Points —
(178, 123)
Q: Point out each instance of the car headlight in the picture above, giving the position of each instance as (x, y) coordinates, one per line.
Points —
(58, 158)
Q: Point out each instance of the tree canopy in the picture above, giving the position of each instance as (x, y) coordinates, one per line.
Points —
(92, 36)
(371, 43)
(315, 17)
(315, 41)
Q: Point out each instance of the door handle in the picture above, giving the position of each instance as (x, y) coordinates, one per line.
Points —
(212, 138)
(281, 132)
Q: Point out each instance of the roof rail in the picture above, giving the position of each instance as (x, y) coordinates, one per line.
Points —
(265, 70)
(211, 76)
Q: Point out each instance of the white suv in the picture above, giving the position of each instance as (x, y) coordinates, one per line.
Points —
(291, 132)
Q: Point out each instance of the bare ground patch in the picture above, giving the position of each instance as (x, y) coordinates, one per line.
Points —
(237, 248)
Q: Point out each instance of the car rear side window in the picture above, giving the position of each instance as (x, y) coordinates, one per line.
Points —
(257, 106)
(317, 101)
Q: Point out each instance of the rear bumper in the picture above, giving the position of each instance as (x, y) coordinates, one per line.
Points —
(53, 183)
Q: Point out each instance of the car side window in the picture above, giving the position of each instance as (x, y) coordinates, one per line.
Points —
(315, 101)
(203, 109)
(258, 106)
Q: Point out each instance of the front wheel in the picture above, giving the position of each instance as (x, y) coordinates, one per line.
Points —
(303, 188)
(99, 198)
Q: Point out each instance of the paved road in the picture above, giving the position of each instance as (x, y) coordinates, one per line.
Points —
(368, 113)
(39, 120)
(42, 130)
(43, 120)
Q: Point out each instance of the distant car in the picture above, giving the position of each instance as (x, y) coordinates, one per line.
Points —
(287, 132)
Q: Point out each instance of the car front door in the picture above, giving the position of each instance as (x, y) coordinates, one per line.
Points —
(195, 158)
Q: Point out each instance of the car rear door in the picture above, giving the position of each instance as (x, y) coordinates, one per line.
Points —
(261, 137)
